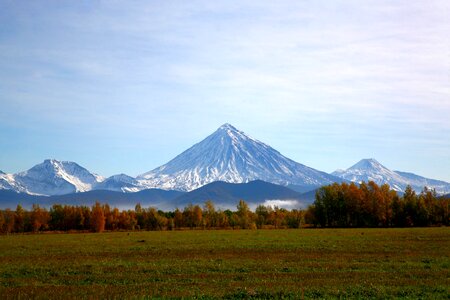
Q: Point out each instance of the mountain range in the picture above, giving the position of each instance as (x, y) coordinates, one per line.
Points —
(226, 157)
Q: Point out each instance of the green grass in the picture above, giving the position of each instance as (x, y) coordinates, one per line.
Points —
(342, 263)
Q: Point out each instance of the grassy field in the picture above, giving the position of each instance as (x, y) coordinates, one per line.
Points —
(305, 263)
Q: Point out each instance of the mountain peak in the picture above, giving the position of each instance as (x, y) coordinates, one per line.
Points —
(50, 161)
(367, 163)
(52, 177)
(230, 131)
(121, 176)
(227, 126)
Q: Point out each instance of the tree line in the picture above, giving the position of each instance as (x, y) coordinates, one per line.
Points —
(370, 205)
(336, 205)
(102, 217)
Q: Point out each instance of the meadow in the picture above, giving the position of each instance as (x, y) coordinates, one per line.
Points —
(297, 263)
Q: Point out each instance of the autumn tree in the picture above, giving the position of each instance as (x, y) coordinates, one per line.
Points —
(198, 216)
(354, 205)
(19, 219)
(277, 216)
(10, 221)
(209, 214)
(97, 218)
(132, 219)
(2, 222)
(178, 219)
(154, 220)
(39, 218)
(108, 217)
(140, 216)
(115, 219)
(192, 216)
(222, 219)
(124, 220)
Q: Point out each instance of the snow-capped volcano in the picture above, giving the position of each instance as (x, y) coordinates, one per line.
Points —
(371, 170)
(232, 156)
(53, 177)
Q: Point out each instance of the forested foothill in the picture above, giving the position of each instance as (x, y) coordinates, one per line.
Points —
(336, 205)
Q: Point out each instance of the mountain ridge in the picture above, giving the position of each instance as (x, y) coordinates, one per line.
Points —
(371, 170)
(227, 195)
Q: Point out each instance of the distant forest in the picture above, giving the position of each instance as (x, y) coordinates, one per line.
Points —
(336, 205)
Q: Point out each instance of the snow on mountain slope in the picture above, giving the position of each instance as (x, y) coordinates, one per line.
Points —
(7, 182)
(54, 177)
(120, 183)
(371, 170)
(418, 182)
(232, 156)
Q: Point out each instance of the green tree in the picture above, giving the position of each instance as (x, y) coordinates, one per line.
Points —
(244, 215)
(294, 218)
(262, 214)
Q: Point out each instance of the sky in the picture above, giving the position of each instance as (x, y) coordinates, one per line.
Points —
(125, 86)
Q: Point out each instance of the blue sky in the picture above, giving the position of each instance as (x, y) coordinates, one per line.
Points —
(121, 86)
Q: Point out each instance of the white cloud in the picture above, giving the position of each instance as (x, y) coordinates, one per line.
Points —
(287, 204)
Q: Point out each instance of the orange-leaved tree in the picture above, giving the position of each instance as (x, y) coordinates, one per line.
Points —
(97, 218)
